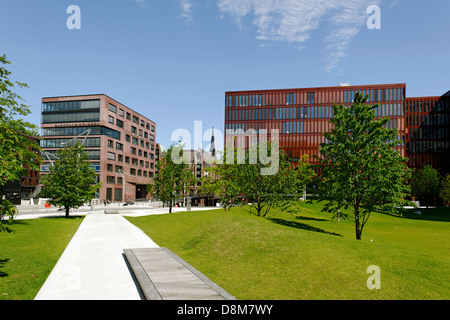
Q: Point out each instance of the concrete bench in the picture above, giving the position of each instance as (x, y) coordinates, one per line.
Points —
(162, 275)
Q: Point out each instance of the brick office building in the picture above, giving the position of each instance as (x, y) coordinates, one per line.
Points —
(302, 115)
(119, 141)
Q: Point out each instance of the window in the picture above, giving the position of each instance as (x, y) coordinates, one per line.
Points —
(133, 129)
(153, 128)
(117, 194)
(135, 119)
(135, 141)
(133, 150)
(142, 123)
(70, 105)
(111, 156)
(110, 180)
(120, 158)
(140, 133)
(110, 144)
(134, 161)
(109, 167)
(91, 116)
(128, 138)
(119, 146)
(110, 119)
(127, 159)
(128, 116)
(121, 112)
(119, 123)
(112, 108)
(133, 172)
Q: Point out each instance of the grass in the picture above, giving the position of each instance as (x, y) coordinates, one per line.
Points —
(28, 256)
(310, 256)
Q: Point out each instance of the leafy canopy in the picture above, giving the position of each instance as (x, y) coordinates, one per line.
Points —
(17, 151)
(362, 168)
(172, 177)
(242, 183)
(71, 180)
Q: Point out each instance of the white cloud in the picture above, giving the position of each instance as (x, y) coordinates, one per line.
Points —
(293, 21)
(186, 10)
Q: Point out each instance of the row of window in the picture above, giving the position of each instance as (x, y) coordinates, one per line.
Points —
(313, 97)
(133, 172)
(134, 130)
(435, 120)
(120, 158)
(119, 169)
(313, 112)
(94, 165)
(88, 116)
(413, 106)
(75, 131)
(128, 116)
(61, 143)
(427, 146)
(70, 105)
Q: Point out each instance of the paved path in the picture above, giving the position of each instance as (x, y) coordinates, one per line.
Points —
(93, 266)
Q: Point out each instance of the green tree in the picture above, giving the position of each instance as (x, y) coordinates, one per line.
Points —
(172, 176)
(445, 190)
(243, 183)
(362, 169)
(17, 151)
(71, 180)
(425, 184)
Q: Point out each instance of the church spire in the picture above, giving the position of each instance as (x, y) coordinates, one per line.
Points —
(212, 148)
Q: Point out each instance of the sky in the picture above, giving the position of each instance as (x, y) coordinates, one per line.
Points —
(173, 60)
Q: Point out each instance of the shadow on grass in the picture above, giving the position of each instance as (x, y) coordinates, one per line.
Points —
(431, 214)
(303, 226)
(2, 262)
(308, 218)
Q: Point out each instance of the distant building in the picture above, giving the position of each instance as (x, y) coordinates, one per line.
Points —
(119, 141)
(25, 188)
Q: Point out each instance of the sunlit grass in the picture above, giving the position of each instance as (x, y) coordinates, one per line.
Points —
(307, 255)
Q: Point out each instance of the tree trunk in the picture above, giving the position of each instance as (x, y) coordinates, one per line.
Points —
(67, 212)
(357, 223)
(170, 206)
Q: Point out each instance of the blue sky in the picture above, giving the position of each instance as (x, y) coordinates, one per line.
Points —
(173, 60)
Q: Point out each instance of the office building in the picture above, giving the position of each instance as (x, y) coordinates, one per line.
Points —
(119, 141)
(302, 115)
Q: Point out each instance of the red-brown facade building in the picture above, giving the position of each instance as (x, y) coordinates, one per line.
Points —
(302, 115)
(119, 141)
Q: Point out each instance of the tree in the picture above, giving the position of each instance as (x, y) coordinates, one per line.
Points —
(362, 169)
(241, 183)
(425, 184)
(71, 180)
(17, 151)
(171, 177)
(445, 190)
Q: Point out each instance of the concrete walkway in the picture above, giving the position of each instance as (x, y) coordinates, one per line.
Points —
(93, 266)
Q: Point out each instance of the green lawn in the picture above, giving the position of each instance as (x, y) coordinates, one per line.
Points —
(28, 256)
(310, 256)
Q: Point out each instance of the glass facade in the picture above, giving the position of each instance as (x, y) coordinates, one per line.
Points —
(89, 116)
(63, 106)
(302, 115)
(74, 131)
